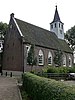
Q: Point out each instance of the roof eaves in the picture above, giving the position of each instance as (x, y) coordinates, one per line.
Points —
(18, 27)
(57, 21)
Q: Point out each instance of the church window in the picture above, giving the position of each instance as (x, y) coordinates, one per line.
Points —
(64, 60)
(51, 26)
(62, 26)
(28, 48)
(70, 61)
(59, 25)
(41, 57)
(49, 58)
(55, 25)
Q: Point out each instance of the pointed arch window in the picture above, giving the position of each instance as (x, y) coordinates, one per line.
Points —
(28, 48)
(64, 60)
(49, 58)
(41, 57)
(70, 62)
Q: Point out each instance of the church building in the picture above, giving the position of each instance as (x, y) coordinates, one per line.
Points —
(21, 35)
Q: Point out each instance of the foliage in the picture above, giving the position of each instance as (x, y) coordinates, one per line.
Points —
(1, 58)
(56, 73)
(58, 58)
(57, 70)
(52, 69)
(71, 69)
(31, 60)
(23, 94)
(40, 88)
(3, 28)
(70, 36)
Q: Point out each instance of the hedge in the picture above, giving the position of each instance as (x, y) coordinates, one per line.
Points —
(39, 88)
(51, 69)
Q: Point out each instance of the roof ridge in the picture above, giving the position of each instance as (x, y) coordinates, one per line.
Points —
(34, 25)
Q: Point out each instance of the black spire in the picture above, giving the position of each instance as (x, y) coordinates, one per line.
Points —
(56, 16)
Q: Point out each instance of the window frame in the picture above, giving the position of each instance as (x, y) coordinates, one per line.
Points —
(70, 62)
(49, 58)
(64, 60)
(59, 25)
(41, 57)
(55, 25)
(62, 26)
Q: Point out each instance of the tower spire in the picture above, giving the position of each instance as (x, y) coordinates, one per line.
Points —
(56, 16)
(56, 25)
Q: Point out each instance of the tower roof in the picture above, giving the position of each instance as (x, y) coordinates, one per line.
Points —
(56, 16)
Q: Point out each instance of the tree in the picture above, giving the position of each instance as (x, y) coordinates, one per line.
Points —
(58, 58)
(31, 59)
(3, 28)
(70, 36)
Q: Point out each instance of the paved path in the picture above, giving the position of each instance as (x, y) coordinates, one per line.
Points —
(9, 89)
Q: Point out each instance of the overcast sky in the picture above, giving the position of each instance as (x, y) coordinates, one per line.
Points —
(39, 12)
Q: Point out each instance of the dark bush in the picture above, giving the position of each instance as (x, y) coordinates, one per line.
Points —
(39, 88)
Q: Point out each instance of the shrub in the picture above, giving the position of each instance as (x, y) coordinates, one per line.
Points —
(71, 69)
(51, 69)
(23, 94)
(39, 88)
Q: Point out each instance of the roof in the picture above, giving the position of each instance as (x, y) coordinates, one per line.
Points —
(56, 16)
(41, 37)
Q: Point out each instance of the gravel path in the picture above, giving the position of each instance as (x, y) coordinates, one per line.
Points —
(9, 89)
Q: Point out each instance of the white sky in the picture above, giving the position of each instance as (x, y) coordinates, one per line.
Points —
(39, 12)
